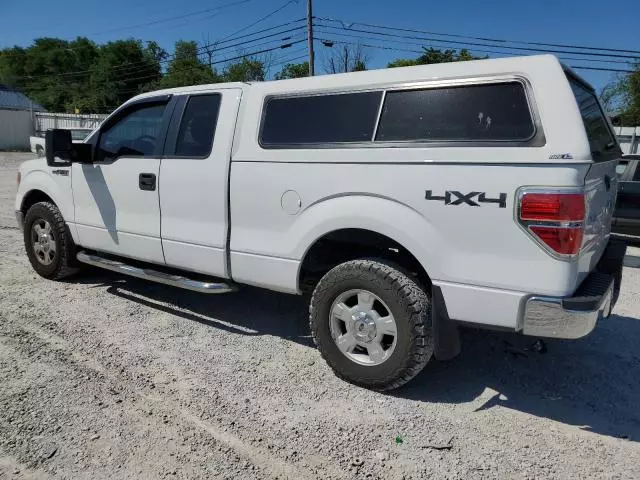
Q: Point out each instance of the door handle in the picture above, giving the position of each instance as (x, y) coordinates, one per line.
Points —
(147, 181)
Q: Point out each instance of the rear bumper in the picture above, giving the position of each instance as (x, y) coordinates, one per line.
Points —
(576, 316)
(570, 317)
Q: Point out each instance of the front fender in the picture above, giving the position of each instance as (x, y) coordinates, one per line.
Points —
(58, 190)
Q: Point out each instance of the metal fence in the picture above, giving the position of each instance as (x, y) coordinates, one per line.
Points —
(44, 121)
(629, 138)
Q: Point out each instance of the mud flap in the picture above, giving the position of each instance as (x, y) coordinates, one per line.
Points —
(446, 337)
(611, 263)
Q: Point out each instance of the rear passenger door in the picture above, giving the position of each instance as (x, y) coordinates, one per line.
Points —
(194, 181)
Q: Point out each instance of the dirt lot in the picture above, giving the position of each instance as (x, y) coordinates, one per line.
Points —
(110, 377)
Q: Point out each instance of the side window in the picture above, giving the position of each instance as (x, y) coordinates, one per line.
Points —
(198, 126)
(600, 137)
(495, 112)
(308, 120)
(135, 134)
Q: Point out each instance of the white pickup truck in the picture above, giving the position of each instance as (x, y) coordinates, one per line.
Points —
(408, 201)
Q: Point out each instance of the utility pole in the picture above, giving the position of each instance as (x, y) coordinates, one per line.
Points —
(310, 38)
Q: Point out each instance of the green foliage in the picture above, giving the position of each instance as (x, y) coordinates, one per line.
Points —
(403, 62)
(433, 55)
(121, 70)
(359, 66)
(622, 98)
(186, 68)
(247, 70)
(74, 75)
(293, 70)
(630, 88)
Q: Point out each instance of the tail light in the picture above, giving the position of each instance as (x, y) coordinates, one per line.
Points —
(555, 219)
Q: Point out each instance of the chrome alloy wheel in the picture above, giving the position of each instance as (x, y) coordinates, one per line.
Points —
(363, 327)
(43, 241)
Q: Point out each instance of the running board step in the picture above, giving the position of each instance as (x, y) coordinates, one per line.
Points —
(155, 276)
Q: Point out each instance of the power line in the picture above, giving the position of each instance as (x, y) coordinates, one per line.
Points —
(170, 19)
(202, 49)
(226, 60)
(443, 44)
(347, 25)
(292, 22)
(278, 63)
(261, 19)
(127, 69)
(577, 67)
(530, 49)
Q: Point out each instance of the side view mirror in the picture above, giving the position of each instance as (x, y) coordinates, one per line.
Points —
(61, 151)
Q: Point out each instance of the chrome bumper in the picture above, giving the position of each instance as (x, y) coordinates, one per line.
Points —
(20, 219)
(570, 317)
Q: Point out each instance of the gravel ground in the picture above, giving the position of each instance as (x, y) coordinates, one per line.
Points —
(111, 377)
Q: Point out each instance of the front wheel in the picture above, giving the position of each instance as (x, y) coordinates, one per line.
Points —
(372, 324)
(48, 242)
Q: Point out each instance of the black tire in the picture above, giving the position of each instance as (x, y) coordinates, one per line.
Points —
(410, 306)
(62, 263)
(39, 151)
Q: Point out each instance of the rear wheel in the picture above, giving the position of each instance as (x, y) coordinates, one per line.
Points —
(372, 324)
(48, 242)
(39, 151)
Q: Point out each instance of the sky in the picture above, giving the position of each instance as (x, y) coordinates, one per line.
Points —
(571, 22)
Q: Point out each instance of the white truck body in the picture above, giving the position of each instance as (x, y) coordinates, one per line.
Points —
(253, 212)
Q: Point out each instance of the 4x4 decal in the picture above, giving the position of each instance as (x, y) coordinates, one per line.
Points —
(453, 197)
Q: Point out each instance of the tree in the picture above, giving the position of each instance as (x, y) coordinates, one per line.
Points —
(246, 70)
(80, 75)
(432, 55)
(186, 68)
(12, 66)
(51, 70)
(293, 70)
(123, 69)
(349, 58)
(627, 97)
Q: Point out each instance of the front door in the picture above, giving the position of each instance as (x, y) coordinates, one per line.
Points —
(116, 198)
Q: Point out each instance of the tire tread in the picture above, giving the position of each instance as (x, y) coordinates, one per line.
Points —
(420, 343)
(64, 268)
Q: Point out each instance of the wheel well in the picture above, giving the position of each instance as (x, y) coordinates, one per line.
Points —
(343, 245)
(33, 197)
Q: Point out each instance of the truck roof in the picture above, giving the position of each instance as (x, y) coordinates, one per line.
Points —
(476, 68)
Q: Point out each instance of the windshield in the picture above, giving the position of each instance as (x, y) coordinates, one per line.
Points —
(601, 141)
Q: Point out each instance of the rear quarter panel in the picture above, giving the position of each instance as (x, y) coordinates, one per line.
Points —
(475, 245)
